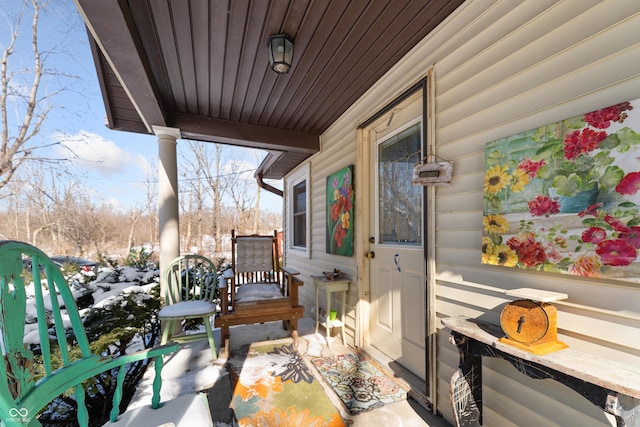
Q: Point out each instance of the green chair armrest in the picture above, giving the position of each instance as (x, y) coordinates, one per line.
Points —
(81, 370)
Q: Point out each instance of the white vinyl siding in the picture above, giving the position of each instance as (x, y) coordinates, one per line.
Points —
(336, 155)
(520, 65)
(501, 68)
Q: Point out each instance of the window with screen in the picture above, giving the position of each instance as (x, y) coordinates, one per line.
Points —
(300, 215)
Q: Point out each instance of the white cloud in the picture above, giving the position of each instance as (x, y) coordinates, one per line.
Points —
(114, 202)
(97, 154)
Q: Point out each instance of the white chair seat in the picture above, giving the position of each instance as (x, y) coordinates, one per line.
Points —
(258, 292)
(187, 309)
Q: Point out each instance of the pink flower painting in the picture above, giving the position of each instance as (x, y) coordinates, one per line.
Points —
(565, 197)
(339, 236)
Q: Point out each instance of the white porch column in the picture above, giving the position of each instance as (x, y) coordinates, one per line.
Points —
(168, 212)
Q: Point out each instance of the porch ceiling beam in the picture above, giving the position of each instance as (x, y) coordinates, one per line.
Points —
(114, 33)
(245, 135)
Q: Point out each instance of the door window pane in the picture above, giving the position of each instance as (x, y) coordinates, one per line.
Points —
(400, 202)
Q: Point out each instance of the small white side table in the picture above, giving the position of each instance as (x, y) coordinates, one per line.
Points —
(340, 284)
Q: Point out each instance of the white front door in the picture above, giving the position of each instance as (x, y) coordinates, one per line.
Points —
(396, 245)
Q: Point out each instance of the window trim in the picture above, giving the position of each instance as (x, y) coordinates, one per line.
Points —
(299, 176)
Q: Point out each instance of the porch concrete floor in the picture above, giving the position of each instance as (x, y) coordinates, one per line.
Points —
(190, 370)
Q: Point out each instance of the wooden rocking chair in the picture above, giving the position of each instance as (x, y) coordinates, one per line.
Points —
(258, 290)
(29, 382)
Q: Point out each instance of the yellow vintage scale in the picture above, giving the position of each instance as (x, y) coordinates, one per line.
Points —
(531, 323)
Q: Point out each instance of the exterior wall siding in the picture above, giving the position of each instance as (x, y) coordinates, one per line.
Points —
(337, 152)
(500, 68)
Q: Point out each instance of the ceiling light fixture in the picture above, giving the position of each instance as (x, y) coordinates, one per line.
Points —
(280, 53)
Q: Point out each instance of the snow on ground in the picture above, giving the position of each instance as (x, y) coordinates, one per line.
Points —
(186, 371)
(110, 283)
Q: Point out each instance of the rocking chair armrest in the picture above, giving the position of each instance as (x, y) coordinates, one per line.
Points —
(224, 299)
(292, 283)
(291, 279)
(297, 281)
(226, 286)
(290, 271)
(224, 281)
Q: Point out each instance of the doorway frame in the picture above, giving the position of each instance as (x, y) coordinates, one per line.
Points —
(362, 181)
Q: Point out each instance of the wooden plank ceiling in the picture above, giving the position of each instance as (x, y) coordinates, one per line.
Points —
(201, 65)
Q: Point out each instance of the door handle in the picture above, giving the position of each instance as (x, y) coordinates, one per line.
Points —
(371, 255)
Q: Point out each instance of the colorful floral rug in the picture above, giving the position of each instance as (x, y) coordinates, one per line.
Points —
(273, 386)
(358, 382)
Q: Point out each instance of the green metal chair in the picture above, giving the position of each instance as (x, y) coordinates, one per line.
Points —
(191, 288)
(29, 386)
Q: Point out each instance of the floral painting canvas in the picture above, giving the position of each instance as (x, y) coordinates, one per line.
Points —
(340, 212)
(565, 197)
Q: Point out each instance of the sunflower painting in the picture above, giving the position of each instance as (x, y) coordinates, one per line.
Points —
(339, 235)
(565, 197)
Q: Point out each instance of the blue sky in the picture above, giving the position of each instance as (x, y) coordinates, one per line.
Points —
(115, 165)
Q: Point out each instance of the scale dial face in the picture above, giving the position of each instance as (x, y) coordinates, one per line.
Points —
(524, 321)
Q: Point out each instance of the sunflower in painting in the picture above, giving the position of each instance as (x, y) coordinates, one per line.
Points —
(495, 224)
(504, 255)
(520, 180)
(496, 179)
(498, 254)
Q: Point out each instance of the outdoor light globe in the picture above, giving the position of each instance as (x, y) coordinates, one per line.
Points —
(280, 53)
(281, 68)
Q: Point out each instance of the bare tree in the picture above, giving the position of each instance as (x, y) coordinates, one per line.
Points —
(243, 201)
(192, 196)
(13, 147)
(208, 168)
(216, 187)
(28, 205)
(29, 83)
(150, 204)
(38, 204)
(135, 214)
(229, 191)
